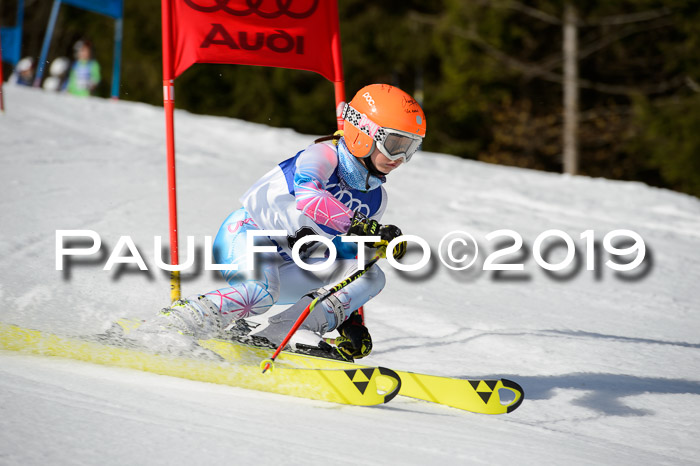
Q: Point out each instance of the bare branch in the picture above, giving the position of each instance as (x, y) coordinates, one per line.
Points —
(521, 7)
(614, 20)
(647, 89)
(628, 18)
(534, 70)
(692, 84)
(471, 35)
(535, 13)
(593, 46)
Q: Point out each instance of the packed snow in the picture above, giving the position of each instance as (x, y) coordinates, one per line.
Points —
(609, 361)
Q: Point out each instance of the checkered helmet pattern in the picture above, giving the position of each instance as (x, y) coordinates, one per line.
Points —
(354, 117)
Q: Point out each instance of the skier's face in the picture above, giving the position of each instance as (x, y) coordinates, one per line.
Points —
(382, 163)
(84, 53)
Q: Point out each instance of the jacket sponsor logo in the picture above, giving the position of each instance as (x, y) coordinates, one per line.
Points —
(345, 196)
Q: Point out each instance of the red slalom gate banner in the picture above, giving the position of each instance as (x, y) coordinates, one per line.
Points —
(296, 34)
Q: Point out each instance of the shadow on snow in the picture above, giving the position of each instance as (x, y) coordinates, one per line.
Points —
(604, 393)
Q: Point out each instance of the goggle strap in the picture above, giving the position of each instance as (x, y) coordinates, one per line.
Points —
(354, 117)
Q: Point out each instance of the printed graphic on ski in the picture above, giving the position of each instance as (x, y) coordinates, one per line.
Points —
(496, 396)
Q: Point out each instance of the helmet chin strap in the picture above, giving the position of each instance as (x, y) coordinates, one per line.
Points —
(371, 170)
(371, 167)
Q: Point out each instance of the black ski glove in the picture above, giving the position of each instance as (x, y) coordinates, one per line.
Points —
(388, 233)
(354, 340)
(363, 226)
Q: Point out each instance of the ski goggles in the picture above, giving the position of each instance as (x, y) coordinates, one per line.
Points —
(393, 143)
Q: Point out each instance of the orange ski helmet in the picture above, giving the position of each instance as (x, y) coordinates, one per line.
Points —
(384, 116)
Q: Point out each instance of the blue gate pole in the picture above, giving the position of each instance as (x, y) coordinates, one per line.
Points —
(47, 42)
(20, 16)
(116, 67)
(2, 97)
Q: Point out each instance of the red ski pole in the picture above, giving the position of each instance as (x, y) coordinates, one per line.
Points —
(381, 252)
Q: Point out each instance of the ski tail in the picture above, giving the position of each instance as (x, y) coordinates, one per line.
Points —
(362, 386)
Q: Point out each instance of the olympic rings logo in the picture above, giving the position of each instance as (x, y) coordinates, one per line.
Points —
(254, 7)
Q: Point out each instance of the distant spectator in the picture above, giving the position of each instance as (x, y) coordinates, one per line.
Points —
(57, 75)
(23, 73)
(85, 73)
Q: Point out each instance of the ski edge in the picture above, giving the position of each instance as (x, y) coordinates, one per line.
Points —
(324, 384)
(472, 395)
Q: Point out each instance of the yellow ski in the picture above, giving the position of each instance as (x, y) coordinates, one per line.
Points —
(485, 396)
(364, 386)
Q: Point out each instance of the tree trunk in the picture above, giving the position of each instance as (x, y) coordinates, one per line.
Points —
(570, 50)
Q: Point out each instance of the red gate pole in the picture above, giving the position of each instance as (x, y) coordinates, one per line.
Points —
(169, 107)
(339, 86)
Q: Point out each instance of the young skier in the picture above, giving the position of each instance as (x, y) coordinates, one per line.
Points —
(85, 73)
(23, 74)
(332, 188)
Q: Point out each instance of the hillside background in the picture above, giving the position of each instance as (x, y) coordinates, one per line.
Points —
(608, 360)
(489, 75)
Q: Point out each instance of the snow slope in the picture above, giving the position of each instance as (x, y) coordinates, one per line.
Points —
(610, 363)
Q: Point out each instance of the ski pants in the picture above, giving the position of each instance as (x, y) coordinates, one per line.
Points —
(275, 280)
